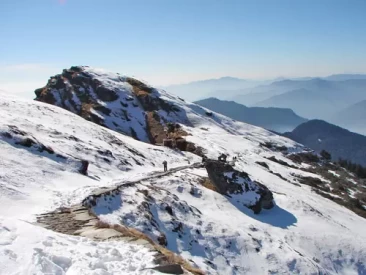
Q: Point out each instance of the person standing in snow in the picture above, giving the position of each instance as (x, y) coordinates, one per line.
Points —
(165, 166)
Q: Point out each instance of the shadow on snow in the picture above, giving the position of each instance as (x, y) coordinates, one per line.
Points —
(276, 216)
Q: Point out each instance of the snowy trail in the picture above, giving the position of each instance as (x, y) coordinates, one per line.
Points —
(73, 197)
(153, 175)
(50, 252)
(77, 220)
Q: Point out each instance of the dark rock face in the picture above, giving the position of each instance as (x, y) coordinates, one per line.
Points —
(216, 172)
(182, 144)
(168, 142)
(162, 240)
(106, 94)
(169, 269)
(266, 200)
(20, 137)
(229, 181)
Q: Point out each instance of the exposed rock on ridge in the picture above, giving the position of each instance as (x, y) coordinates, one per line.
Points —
(229, 181)
(123, 104)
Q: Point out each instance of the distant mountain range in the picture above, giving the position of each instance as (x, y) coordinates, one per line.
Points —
(336, 98)
(314, 98)
(203, 88)
(224, 88)
(352, 117)
(276, 119)
(341, 143)
(250, 92)
(339, 77)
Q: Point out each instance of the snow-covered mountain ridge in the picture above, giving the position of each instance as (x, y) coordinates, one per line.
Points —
(42, 145)
(121, 103)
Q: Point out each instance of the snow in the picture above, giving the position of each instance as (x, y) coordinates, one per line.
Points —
(334, 173)
(32, 183)
(38, 190)
(300, 235)
(352, 193)
(248, 198)
(303, 234)
(352, 180)
(28, 249)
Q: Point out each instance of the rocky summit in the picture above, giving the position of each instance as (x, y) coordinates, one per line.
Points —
(120, 103)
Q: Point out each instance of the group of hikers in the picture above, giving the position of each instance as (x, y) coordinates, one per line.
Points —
(222, 158)
(84, 164)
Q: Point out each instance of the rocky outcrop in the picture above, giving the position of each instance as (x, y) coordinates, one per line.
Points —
(22, 138)
(79, 92)
(121, 103)
(229, 181)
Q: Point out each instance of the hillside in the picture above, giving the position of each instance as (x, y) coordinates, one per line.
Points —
(275, 209)
(279, 87)
(210, 87)
(309, 98)
(352, 117)
(341, 143)
(276, 119)
(306, 103)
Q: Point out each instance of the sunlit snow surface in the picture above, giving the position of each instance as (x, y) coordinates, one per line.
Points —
(304, 234)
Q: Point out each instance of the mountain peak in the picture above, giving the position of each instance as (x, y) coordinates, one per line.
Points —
(121, 103)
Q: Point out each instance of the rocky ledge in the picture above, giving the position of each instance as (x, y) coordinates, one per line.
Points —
(231, 182)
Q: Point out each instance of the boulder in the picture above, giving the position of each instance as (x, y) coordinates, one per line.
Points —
(168, 142)
(181, 144)
(229, 181)
(169, 269)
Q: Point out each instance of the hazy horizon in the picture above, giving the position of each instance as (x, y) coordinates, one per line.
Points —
(175, 42)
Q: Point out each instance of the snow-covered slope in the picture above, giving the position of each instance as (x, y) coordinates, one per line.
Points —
(28, 249)
(303, 234)
(42, 177)
(34, 182)
(42, 146)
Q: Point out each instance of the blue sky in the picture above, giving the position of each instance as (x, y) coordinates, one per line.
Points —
(176, 41)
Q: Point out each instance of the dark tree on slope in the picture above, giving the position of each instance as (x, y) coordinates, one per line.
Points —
(326, 155)
(357, 169)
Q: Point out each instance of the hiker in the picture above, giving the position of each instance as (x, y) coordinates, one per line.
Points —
(165, 166)
(84, 167)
